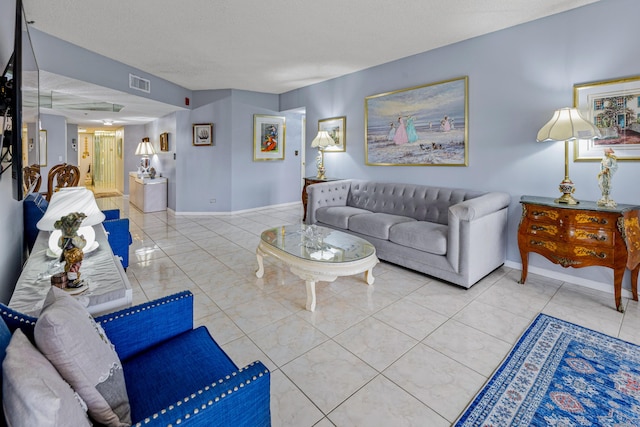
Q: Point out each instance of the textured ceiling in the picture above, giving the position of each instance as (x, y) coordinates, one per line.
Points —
(273, 46)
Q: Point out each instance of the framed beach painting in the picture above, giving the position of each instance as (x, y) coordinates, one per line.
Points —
(419, 126)
(613, 106)
(268, 137)
(336, 127)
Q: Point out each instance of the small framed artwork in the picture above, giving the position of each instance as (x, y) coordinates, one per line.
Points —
(268, 137)
(119, 148)
(336, 127)
(42, 152)
(613, 106)
(419, 126)
(164, 141)
(203, 134)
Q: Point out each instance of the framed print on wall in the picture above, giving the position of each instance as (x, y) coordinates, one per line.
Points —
(268, 137)
(419, 126)
(202, 134)
(336, 127)
(164, 141)
(613, 106)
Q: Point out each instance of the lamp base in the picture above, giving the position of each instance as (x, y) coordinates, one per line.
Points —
(567, 188)
(320, 164)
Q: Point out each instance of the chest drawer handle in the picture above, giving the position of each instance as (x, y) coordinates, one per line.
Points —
(538, 228)
(598, 220)
(596, 237)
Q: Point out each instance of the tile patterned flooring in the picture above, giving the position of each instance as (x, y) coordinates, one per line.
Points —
(409, 350)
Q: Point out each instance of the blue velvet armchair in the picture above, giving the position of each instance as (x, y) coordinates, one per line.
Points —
(175, 375)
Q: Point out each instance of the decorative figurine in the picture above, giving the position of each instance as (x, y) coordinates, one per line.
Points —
(69, 226)
(608, 166)
(73, 261)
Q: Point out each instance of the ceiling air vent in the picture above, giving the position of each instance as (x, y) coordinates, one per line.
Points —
(138, 83)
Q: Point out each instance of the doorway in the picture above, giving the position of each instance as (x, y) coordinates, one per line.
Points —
(104, 161)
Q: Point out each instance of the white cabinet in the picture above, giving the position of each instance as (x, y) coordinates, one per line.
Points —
(147, 194)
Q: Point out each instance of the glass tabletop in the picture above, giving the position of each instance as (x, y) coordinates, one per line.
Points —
(316, 243)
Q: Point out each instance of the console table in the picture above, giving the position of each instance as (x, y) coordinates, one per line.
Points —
(582, 235)
(148, 194)
(109, 287)
(309, 181)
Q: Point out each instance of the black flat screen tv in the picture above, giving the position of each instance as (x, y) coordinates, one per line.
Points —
(13, 109)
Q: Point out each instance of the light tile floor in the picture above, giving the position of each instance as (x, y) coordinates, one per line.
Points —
(408, 351)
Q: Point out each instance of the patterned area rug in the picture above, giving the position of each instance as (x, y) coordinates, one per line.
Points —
(561, 374)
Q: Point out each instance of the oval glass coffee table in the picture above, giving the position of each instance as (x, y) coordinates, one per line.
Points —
(317, 254)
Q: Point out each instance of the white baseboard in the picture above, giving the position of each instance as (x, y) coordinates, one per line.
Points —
(243, 211)
(591, 284)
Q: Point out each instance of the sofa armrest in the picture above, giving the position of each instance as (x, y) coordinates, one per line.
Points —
(241, 398)
(139, 327)
(477, 235)
(479, 206)
(332, 193)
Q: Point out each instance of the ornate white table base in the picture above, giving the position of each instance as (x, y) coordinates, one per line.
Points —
(317, 271)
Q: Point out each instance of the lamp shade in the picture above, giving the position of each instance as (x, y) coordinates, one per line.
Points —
(69, 200)
(567, 124)
(322, 140)
(145, 149)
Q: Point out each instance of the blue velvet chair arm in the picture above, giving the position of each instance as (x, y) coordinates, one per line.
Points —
(16, 320)
(119, 238)
(110, 214)
(142, 326)
(239, 399)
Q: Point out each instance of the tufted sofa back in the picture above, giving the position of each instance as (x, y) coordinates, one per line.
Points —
(420, 202)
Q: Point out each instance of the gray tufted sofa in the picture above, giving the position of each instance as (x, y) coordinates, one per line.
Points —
(452, 234)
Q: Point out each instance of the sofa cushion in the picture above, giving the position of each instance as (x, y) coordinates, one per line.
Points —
(376, 224)
(33, 392)
(80, 350)
(338, 216)
(422, 235)
(151, 375)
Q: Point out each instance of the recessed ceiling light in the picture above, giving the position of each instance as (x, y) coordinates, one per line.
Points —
(108, 123)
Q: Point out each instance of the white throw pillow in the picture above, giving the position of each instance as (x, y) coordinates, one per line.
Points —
(34, 393)
(80, 350)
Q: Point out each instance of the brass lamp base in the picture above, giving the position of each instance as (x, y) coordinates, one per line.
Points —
(567, 188)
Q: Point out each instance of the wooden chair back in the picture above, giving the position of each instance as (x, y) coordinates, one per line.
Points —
(31, 179)
(60, 176)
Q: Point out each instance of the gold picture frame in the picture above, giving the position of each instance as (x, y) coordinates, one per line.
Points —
(164, 141)
(336, 127)
(613, 106)
(268, 137)
(424, 125)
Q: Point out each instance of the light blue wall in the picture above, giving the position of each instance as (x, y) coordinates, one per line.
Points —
(262, 183)
(517, 78)
(133, 134)
(72, 155)
(63, 58)
(163, 162)
(56, 127)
